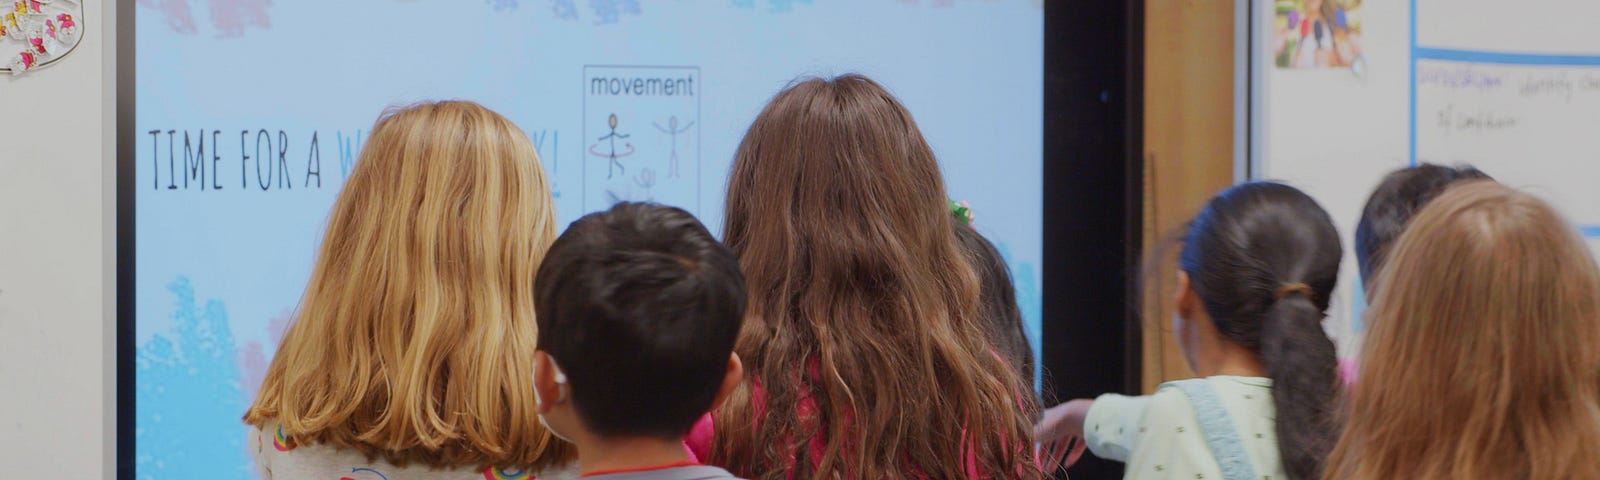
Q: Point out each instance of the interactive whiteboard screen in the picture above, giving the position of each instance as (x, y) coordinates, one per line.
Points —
(250, 113)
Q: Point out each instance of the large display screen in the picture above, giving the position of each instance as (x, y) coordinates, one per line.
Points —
(249, 114)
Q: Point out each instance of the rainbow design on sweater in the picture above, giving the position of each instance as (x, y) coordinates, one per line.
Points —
(493, 473)
(282, 442)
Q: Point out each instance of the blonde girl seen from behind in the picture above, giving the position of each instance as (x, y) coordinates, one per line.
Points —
(1483, 358)
(411, 350)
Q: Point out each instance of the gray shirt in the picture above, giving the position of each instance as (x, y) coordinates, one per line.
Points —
(275, 461)
(694, 472)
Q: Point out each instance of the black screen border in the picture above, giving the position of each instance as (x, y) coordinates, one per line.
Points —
(1093, 205)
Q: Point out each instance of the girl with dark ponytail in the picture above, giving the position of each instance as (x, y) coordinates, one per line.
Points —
(1256, 272)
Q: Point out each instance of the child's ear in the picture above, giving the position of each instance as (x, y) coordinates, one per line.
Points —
(1186, 300)
(545, 388)
(730, 380)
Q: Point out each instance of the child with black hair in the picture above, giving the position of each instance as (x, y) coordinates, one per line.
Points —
(638, 308)
(1400, 195)
(1256, 271)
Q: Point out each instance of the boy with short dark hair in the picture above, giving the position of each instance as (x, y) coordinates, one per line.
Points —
(638, 309)
(1400, 196)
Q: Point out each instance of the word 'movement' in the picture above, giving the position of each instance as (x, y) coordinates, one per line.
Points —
(672, 86)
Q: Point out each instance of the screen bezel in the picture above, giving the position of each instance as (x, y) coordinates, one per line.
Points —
(1092, 192)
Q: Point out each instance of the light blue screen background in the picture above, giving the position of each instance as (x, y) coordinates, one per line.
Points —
(219, 271)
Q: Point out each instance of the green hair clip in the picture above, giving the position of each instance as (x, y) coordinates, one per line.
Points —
(962, 211)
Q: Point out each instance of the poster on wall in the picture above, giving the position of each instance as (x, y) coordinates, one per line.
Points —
(36, 33)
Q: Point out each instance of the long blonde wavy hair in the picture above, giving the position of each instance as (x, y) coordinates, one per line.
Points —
(1484, 356)
(414, 339)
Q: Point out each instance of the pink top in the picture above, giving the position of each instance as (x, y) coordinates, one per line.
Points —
(704, 432)
(699, 439)
(1347, 372)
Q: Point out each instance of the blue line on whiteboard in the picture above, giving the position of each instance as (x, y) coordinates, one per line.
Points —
(1411, 143)
(1475, 56)
(1358, 307)
(1590, 231)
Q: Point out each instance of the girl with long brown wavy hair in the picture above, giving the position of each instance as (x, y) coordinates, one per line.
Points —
(866, 353)
(1483, 357)
(411, 352)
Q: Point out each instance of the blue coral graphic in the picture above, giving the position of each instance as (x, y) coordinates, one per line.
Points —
(607, 12)
(564, 9)
(1026, 279)
(187, 394)
(774, 6)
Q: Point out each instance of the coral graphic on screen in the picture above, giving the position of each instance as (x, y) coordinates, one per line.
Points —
(605, 12)
(564, 9)
(254, 357)
(609, 11)
(775, 6)
(189, 386)
(230, 18)
(1026, 281)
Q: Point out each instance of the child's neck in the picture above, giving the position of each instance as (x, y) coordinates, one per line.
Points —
(596, 454)
(1233, 360)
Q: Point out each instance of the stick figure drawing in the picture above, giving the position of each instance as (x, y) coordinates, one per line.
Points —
(610, 139)
(673, 130)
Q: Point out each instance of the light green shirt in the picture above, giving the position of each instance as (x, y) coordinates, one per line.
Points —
(1158, 435)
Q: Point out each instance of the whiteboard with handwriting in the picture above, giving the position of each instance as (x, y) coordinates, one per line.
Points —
(1337, 101)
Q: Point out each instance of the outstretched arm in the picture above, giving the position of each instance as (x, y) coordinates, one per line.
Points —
(1063, 421)
(1060, 435)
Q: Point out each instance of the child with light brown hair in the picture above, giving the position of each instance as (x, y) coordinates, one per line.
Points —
(1483, 355)
(411, 354)
(865, 347)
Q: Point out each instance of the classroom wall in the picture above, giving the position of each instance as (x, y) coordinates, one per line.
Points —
(1188, 151)
(57, 224)
(57, 221)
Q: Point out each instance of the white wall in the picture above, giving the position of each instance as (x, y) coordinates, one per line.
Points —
(57, 252)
